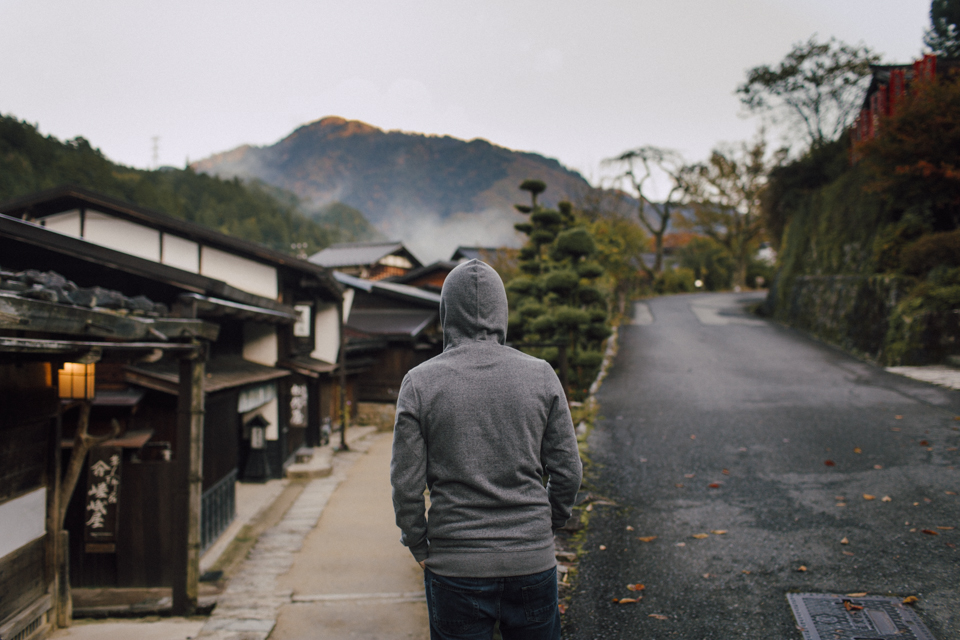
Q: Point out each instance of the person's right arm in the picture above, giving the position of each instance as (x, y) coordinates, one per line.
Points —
(408, 472)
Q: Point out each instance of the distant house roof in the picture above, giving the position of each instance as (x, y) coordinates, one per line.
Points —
(355, 254)
(472, 253)
(430, 276)
(69, 197)
(389, 290)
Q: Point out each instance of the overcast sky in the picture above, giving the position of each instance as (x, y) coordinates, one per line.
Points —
(575, 80)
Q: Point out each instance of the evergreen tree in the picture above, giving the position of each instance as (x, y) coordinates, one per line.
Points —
(943, 36)
(556, 298)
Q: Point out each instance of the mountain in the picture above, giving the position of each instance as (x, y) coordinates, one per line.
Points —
(31, 162)
(432, 192)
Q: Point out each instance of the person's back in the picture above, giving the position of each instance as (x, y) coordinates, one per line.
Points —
(480, 425)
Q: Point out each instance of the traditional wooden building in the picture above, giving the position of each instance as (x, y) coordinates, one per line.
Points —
(52, 337)
(277, 348)
(390, 328)
(367, 260)
(429, 277)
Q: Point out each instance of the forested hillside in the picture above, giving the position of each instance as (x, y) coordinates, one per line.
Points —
(31, 162)
(409, 185)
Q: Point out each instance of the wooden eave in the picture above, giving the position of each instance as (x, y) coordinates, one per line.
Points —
(24, 314)
(68, 197)
(38, 236)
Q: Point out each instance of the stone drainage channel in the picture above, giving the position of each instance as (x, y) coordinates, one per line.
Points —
(247, 609)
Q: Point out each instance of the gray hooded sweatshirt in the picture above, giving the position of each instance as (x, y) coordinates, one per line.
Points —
(479, 425)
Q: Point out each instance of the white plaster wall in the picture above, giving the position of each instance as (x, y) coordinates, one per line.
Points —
(260, 343)
(348, 303)
(326, 333)
(271, 413)
(121, 235)
(67, 222)
(248, 275)
(22, 520)
(181, 253)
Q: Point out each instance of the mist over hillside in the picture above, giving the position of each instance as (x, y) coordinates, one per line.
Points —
(432, 192)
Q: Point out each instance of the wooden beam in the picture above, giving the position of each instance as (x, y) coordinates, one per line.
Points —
(48, 317)
(189, 465)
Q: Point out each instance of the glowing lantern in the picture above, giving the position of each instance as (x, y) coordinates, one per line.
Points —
(76, 380)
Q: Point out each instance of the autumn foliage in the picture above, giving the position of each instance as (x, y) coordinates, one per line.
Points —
(915, 161)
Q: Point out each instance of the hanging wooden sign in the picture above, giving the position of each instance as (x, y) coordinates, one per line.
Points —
(102, 500)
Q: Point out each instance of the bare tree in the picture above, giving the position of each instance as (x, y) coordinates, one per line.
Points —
(640, 167)
(724, 198)
(817, 87)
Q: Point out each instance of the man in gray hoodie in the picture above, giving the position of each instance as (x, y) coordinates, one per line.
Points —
(480, 426)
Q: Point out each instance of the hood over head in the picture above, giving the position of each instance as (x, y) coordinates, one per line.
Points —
(473, 305)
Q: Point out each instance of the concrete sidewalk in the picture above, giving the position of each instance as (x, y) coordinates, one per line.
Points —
(331, 567)
(353, 578)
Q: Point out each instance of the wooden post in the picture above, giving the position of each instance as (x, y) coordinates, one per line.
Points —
(189, 471)
(64, 596)
(344, 414)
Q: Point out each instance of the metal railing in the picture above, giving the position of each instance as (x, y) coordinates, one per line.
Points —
(218, 508)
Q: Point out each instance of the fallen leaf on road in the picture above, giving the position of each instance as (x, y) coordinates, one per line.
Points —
(742, 449)
(878, 466)
(681, 544)
(924, 443)
(951, 448)
(862, 594)
(945, 528)
(562, 607)
(718, 532)
(689, 475)
(647, 538)
(801, 568)
(629, 528)
(725, 472)
(841, 498)
(603, 547)
(847, 553)
(950, 493)
(867, 496)
(895, 429)
(745, 572)
(635, 587)
(844, 541)
(830, 463)
(927, 500)
(886, 499)
(857, 450)
(898, 417)
(911, 599)
(700, 536)
(706, 576)
(679, 485)
(714, 485)
(589, 507)
(628, 600)
(930, 532)
(849, 606)
(658, 616)
(841, 504)
(693, 437)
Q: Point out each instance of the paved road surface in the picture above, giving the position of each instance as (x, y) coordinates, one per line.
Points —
(703, 393)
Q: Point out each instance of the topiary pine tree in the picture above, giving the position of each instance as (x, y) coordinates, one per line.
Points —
(556, 298)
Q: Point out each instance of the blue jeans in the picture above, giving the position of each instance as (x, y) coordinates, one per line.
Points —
(468, 608)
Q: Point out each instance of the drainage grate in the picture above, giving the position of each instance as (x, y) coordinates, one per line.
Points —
(832, 617)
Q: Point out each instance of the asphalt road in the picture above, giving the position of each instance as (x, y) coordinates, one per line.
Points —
(706, 394)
